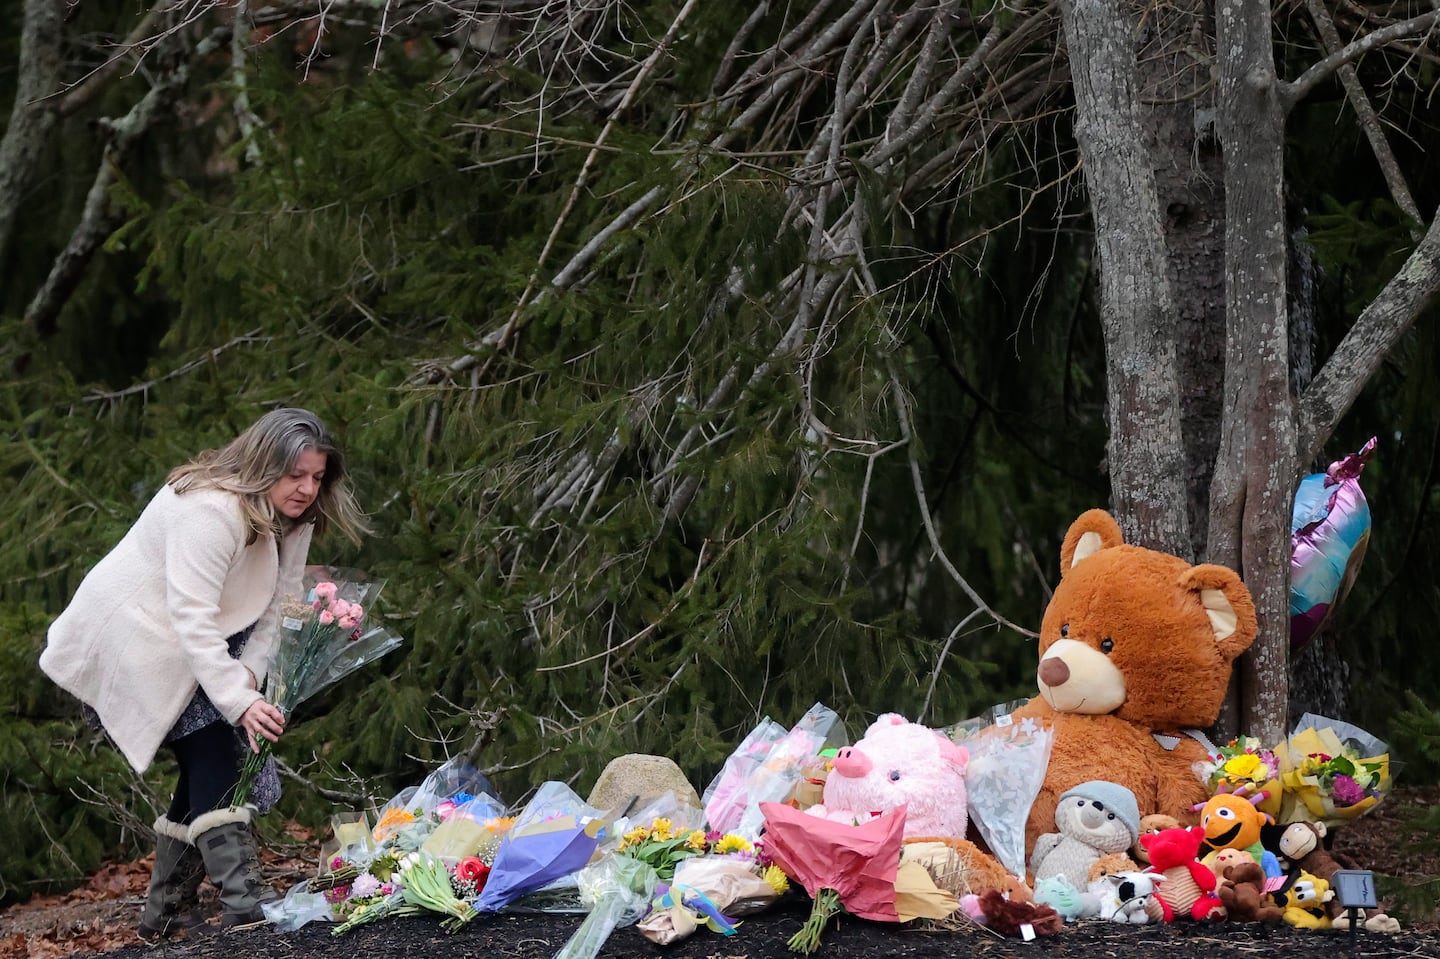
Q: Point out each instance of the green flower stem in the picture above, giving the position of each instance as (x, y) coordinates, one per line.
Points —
(826, 905)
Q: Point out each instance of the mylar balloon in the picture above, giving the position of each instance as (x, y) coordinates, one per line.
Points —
(1329, 529)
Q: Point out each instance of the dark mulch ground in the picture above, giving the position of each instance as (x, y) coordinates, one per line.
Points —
(764, 937)
(99, 918)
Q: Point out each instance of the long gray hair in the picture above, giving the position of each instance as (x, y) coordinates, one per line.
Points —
(252, 463)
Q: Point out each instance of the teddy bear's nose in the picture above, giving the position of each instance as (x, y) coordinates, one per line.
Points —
(851, 762)
(1054, 672)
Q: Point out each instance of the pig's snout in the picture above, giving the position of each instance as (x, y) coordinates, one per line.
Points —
(852, 763)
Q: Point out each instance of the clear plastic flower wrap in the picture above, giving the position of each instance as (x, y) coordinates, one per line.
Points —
(766, 768)
(296, 908)
(468, 828)
(1008, 759)
(323, 635)
(618, 890)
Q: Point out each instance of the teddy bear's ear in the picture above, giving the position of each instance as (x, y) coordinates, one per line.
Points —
(1228, 604)
(1093, 531)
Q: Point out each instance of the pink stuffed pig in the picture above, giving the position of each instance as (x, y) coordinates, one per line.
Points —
(899, 763)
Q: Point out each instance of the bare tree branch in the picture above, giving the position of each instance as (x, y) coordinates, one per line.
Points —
(1369, 122)
(902, 416)
(1296, 90)
(1376, 331)
(98, 219)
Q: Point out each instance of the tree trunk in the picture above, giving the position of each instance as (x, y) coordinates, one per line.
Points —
(1147, 462)
(34, 111)
(1256, 468)
(1175, 59)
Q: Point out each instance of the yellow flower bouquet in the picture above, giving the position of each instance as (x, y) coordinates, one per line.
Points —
(1244, 761)
(1332, 772)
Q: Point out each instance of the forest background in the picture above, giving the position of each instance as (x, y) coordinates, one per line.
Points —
(698, 362)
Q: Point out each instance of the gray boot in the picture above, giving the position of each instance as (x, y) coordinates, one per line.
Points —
(174, 900)
(227, 844)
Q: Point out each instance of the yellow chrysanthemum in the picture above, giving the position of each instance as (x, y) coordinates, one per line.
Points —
(695, 840)
(733, 843)
(663, 829)
(777, 879)
(1245, 766)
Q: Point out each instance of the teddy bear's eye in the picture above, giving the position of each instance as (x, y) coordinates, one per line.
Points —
(1111, 816)
(894, 775)
(1065, 629)
(1107, 644)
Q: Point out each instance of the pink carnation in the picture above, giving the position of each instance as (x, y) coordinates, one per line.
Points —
(1346, 791)
(365, 886)
(325, 590)
(326, 617)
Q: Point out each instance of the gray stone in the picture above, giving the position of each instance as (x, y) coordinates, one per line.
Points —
(633, 781)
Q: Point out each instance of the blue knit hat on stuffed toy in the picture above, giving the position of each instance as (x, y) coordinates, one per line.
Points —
(1114, 798)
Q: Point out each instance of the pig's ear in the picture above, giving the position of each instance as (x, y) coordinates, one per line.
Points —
(886, 721)
(952, 753)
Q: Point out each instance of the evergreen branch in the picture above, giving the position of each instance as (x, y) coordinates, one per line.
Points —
(675, 600)
(1296, 90)
(742, 36)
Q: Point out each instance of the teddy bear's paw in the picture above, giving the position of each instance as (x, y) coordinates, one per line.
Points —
(1379, 923)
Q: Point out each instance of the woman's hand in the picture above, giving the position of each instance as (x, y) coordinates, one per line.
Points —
(262, 719)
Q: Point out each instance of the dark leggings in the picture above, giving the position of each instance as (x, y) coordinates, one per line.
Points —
(209, 761)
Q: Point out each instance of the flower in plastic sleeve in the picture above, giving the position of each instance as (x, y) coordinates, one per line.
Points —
(618, 890)
(325, 590)
(391, 822)
(326, 617)
(472, 869)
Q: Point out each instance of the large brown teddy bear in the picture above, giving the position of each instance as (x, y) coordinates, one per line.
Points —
(1135, 649)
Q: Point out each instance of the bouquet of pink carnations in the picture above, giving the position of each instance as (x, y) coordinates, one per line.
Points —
(322, 637)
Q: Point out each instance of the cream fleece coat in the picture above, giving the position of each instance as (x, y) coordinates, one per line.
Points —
(149, 622)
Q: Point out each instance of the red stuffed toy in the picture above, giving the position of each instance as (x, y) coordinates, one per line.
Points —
(1189, 886)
